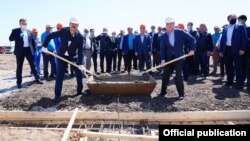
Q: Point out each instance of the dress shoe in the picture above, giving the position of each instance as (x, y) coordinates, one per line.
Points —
(229, 83)
(163, 93)
(39, 82)
(180, 98)
(19, 86)
(57, 100)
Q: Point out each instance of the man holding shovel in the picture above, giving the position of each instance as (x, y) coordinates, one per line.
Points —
(71, 46)
(171, 47)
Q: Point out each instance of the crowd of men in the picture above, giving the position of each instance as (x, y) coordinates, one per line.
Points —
(229, 49)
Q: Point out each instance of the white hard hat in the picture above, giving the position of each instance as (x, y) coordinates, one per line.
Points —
(169, 20)
(49, 26)
(216, 27)
(74, 20)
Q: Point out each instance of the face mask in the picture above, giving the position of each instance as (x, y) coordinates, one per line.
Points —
(232, 21)
(23, 27)
(105, 32)
(86, 34)
(113, 36)
(188, 28)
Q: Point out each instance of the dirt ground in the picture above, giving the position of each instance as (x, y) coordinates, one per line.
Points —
(201, 94)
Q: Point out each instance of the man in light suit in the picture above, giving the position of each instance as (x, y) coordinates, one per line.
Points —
(143, 48)
(232, 47)
(25, 47)
(71, 48)
(172, 46)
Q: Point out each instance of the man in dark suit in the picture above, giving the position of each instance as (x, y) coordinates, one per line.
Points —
(71, 48)
(25, 47)
(190, 60)
(94, 45)
(143, 48)
(120, 55)
(114, 50)
(128, 49)
(242, 20)
(233, 47)
(156, 47)
(172, 46)
(105, 50)
(204, 48)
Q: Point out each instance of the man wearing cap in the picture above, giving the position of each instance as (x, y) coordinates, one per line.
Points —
(172, 46)
(216, 57)
(25, 47)
(38, 53)
(59, 26)
(71, 48)
(233, 47)
(49, 58)
(143, 48)
(105, 50)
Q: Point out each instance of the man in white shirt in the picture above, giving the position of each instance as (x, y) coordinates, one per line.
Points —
(25, 47)
(232, 47)
(88, 50)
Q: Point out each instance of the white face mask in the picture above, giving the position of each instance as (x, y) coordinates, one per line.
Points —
(105, 32)
(23, 27)
(240, 22)
(189, 28)
(86, 34)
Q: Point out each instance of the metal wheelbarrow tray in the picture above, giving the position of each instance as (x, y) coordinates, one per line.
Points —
(122, 84)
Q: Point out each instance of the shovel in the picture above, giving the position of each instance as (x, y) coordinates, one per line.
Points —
(145, 73)
(99, 77)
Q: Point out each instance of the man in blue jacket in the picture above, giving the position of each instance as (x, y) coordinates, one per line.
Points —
(172, 46)
(233, 47)
(143, 48)
(71, 48)
(25, 47)
(128, 49)
(49, 58)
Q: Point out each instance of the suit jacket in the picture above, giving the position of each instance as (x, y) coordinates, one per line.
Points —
(94, 44)
(182, 39)
(16, 37)
(105, 41)
(114, 44)
(119, 40)
(193, 33)
(76, 45)
(143, 47)
(125, 45)
(239, 39)
(204, 42)
(156, 42)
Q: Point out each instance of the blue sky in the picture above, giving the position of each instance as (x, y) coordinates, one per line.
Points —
(116, 14)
